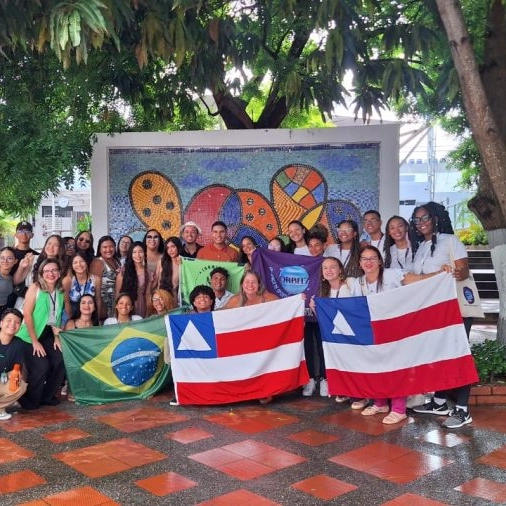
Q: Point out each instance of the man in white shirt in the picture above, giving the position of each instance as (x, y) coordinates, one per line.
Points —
(219, 278)
(371, 222)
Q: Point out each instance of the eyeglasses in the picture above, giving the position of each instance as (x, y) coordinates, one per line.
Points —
(154, 237)
(372, 221)
(50, 271)
(82, 239)
(369, 259)
(7, 259)
(156, 299)
(23, 231)
(345, 230)
(422, 219)
(70, 246)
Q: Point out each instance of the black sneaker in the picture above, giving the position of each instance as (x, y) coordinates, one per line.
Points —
(431, 408)
(457, 419)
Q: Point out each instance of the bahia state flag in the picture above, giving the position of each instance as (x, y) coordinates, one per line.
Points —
(397, 343)
(195, 272)
(116, 362)
(240, 354)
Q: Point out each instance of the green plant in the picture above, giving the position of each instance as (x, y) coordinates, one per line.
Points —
(490, 359)
(84, 223)
(474, 235)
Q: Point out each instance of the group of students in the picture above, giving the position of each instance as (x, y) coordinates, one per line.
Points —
(70, 285)
(405, 253)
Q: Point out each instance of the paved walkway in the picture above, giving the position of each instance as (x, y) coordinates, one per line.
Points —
(294, 451)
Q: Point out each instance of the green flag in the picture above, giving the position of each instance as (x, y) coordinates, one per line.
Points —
(116, 362)
(197, 272)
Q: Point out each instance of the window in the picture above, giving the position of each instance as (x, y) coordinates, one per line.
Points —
(47, 212)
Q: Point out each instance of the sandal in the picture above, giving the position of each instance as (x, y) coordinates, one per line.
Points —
(394, 417)
(374, 410)
(359, 404)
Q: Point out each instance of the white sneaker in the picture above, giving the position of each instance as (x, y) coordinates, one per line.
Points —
(4, 415)
(415, 400)
(309, 389)
(324, 388)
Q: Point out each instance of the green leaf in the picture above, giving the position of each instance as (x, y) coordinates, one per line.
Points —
(75, 28)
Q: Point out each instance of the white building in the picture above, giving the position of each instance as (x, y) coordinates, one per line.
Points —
(60, 214)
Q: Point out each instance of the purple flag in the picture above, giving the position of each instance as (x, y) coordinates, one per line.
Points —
(286, 274)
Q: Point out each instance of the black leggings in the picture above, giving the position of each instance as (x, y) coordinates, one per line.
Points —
(460, 394)
(313, 349)
(45, 374)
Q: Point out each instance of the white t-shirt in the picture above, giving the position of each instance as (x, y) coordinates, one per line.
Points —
(448, 248)
(335, 250)
(219, 303)
(113, 320)
(303, 250)
(344, 290)
(379, 243)
(392, 278)
(401, 258)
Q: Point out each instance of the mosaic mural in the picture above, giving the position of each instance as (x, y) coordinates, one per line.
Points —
(257, 191)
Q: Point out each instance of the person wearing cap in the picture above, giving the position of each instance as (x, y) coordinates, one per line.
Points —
(218, 250)
(24, 234)
(189, 233)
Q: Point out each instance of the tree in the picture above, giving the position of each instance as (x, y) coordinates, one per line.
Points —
(481, 97)
(302, 48)
(157, 60)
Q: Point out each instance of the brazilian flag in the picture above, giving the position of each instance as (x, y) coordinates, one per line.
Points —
(116, 362)
(195, 272)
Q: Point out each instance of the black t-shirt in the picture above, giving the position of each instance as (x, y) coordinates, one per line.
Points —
(185, 253)
(11, 354)
(20, 254)
(19, 290)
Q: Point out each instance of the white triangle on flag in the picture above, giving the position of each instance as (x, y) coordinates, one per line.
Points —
(192, 339)
(341, 326)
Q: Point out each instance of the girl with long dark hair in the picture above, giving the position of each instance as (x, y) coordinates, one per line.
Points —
(134, 279)
(84, 245)
(106, 266)
(167, 271)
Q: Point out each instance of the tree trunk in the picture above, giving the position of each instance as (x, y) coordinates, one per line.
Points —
(490, 202)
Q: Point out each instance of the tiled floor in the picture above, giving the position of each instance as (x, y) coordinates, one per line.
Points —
(293, 451)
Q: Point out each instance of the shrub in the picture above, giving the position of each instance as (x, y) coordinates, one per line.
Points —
(474, 235)
(490, 359)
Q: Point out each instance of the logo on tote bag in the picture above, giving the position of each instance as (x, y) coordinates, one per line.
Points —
(468, 294)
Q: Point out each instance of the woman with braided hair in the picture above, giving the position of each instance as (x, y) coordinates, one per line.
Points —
(436, 245)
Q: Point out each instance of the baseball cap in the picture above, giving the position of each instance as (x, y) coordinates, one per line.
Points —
(24, 224)
(191, 224)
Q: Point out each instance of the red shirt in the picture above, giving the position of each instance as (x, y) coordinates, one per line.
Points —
(211, 252)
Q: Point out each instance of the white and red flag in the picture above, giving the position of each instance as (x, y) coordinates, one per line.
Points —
(238, 354)
(397, 343)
